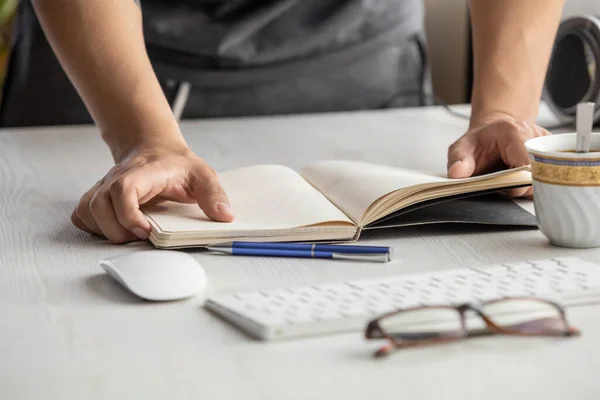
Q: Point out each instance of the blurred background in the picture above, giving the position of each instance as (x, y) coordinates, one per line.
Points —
(448, 34)
(7, 11)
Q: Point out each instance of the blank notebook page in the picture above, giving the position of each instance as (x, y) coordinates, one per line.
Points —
(262, 197)
(355, 185)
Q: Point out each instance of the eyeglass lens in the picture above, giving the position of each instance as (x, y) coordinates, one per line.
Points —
(519, 316)
(525, 316)
(423, 324)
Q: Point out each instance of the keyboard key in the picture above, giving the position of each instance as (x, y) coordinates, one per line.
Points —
(519, 265)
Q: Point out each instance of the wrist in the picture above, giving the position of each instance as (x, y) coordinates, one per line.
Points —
(481, 118)
(515, 113)
(125, 140)
(503, 102)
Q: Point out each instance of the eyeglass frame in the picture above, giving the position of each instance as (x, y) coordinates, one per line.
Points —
(373, 329)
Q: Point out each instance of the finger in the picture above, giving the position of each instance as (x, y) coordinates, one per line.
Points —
(539, 131)
(75, 220)
(532, 130)
(461, 158)
(101, 208)
(83, 218)
(529, 129)
(513, 151)
(126, 193)
(211, 196)
(514, 154)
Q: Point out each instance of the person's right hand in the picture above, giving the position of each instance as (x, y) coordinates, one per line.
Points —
(148, 174)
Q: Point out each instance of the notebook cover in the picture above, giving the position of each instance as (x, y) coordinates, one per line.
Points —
(481, 208)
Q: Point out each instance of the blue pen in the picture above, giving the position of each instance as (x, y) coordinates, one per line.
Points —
(303, 251)
(307, 247)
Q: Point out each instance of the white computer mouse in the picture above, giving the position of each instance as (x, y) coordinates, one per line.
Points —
(157, 275)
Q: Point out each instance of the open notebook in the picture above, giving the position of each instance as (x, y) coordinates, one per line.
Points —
(336, 200)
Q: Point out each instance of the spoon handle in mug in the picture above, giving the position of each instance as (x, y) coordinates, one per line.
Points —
(585, 121)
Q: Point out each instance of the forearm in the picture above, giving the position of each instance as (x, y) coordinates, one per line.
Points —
(512, 43)
(100, 45)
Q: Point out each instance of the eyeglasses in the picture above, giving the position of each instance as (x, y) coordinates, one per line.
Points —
(426, 325)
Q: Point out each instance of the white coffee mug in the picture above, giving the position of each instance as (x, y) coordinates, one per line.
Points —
(566, 189)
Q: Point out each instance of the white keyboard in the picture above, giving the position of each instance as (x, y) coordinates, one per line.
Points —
(348, 306)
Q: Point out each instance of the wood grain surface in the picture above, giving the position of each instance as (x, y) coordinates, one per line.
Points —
(67, 331)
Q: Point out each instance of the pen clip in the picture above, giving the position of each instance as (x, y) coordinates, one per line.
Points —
(376, 257)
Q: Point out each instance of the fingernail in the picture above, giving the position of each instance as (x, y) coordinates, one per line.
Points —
(454, 165)
(139, 232)
(223, 207)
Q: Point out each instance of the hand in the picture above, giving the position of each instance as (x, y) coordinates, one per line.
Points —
(149, 174)
(491, 144)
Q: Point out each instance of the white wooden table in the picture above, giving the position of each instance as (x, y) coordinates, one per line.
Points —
(67, 331)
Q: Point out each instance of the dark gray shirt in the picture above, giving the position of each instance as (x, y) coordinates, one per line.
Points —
(243, 57)
(239, 33)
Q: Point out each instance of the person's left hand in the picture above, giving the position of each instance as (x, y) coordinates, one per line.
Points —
(493, 143)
